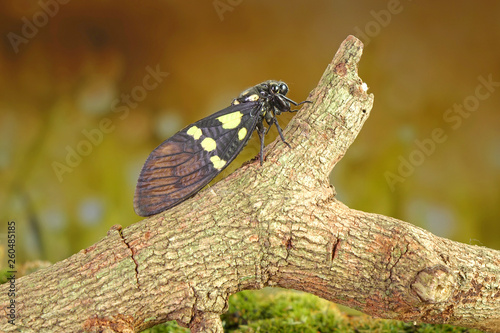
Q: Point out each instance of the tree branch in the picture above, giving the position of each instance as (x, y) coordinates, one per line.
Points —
(273, 225)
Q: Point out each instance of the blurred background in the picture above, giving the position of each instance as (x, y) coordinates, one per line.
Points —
(89, 88)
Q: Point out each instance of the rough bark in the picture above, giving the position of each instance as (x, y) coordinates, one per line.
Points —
(273, 225)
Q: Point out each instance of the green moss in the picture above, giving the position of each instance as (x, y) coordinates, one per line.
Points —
(284, 311)
(4, 275)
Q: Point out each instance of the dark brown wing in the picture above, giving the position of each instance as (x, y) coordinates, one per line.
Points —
(191, 158)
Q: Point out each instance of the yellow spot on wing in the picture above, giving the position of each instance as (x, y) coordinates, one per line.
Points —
(242, 133)
(208, 144)
(195, 132)
(217, 162)
(231, 120)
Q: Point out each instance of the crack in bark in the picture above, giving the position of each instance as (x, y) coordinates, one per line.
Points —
(397, 252)
(335, 246)
(194, 310)
(289, 246)
(289, 242)
(136, 268)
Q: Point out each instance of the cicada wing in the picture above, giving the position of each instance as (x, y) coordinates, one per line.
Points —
(191, 158)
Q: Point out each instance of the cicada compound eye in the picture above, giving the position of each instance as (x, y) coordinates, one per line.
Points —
(283, 88)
